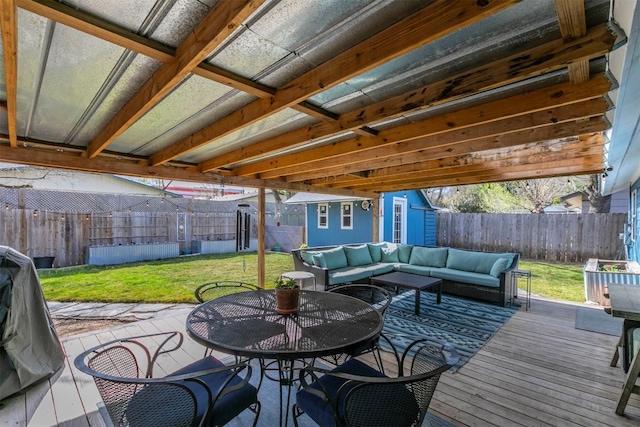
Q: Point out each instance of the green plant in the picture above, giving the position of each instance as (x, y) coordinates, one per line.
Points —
(304, 246)
(285, 283)
(610, 267)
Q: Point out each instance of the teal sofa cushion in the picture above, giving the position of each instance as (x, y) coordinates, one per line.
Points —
(415, 269)
(404, 253)
(466, 277)
(333, 258)
(348, 274)
(318, 259)
(380, 268)
(389, 255)
(501, 264)
(428, 257)
(477, 262)
(375, 250)
(357, 255)
(307, 256)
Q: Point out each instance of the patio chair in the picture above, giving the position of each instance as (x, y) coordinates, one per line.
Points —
(206, 392)
(379, 298)
(210, 290)
(354, 394)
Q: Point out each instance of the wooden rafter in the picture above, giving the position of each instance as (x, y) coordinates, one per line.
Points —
(9, 32)
(573, 24)
(430, 23)
(107, 165)
(453, 124)
(223, 19)
(501, 141)
(547, 57)
(534, 153)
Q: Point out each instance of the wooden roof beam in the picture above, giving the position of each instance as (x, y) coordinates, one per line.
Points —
(109, 165)
(550, 56)
(565, 113)
(501, 141)
(9, 32)
(223, 19)
(538, 100)
(479, 167)
(498, 176)
(432, 22)
(534, 153)
(573, 24)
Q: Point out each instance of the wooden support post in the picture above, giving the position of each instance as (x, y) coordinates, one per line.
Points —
(261, 227)
(376, 220)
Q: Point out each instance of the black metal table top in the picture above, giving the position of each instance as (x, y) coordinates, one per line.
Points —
(247, 324)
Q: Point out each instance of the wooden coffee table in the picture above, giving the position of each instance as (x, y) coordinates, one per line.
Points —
(410, 281)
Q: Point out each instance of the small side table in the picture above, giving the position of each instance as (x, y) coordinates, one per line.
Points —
(518, 274)
(300, 277)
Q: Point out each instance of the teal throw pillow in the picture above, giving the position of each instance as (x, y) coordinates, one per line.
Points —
(307, 256)
(375, 250)
(358, 255)
(501, 264)
(318, 259)
(389, 255)
(334, 258)
(404, 253)
(428, 257)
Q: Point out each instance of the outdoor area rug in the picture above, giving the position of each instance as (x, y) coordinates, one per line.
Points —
(463, 323)
(596, 320)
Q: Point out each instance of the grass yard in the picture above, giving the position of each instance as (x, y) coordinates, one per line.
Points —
(558, 281)
(174, 280)
(170, 280)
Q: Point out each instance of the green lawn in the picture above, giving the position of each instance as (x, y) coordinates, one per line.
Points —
(174, 280)
(170, 280)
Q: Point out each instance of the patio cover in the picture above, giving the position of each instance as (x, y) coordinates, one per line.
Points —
(29, 347)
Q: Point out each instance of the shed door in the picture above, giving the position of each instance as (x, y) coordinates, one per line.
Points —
(399, 220)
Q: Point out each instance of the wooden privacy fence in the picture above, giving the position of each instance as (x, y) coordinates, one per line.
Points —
(63, 224)
(548, 237)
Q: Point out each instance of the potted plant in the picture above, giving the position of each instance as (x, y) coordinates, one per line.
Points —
(277, 248)
(287, 295)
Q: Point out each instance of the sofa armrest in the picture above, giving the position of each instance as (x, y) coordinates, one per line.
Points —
(506, 280)
(321, 274)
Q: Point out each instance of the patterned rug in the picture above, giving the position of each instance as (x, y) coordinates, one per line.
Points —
(463, 323)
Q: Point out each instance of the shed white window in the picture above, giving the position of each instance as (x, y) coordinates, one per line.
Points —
(634, 215)
(347, 215)
(323, 215)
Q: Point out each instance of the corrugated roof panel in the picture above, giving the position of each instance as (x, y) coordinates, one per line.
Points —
(191, 96)
(217, 109)
(126, 77)
(76, 67)
(183, 17)
(30, 47)
(127, 14)
(283, 121)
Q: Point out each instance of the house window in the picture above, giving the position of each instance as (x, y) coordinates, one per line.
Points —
(323, 215)
(634, 214)
(347, 215)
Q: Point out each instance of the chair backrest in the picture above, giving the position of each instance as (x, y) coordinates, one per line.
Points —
(130, 395)
(210, 290)
(378, 297)
(401, 401)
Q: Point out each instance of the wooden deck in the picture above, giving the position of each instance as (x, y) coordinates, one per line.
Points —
(536, 371)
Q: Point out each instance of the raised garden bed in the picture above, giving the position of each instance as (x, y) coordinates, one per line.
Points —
(599, 273)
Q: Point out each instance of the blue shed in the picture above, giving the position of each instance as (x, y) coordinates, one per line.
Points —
(408, 217)
(405, 217)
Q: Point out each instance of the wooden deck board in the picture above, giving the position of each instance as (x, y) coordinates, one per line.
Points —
(537, 370)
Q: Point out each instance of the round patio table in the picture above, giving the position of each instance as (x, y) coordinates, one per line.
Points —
(247, 324)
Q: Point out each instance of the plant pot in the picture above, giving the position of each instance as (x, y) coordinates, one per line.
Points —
(287, 300)
(277, 249)
(43, 261)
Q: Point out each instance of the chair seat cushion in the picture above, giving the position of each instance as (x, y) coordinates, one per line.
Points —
(321, 411)
(154, 400)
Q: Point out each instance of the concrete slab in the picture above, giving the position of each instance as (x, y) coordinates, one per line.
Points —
(151, 308)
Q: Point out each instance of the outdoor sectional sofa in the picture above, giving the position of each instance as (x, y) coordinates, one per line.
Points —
(473, 274)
